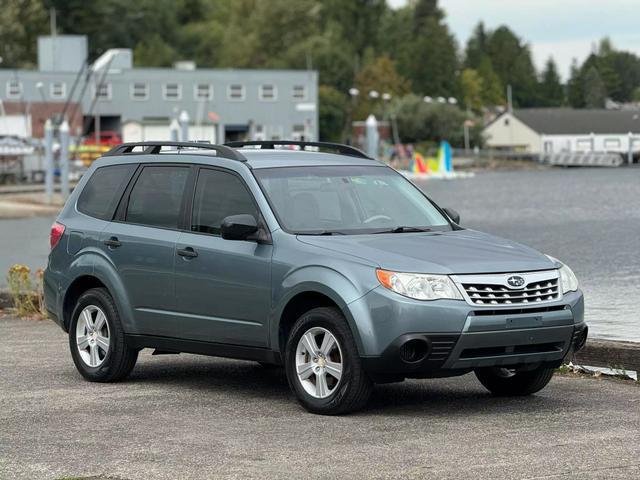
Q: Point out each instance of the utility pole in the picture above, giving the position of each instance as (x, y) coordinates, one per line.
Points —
(53, 26)
(48, 160)
(509, 100)
(64, 158)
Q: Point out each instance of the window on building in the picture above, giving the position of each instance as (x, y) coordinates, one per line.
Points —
(268, 93)
(172, 91)
(583, 145)
(235, 92)
(14, 89)
(156, 198)
(100, 196)
(203, 91)
(139, 91)
(299, 92)
(58, 90)
(259, 132)
(218, 195)
(102, 91)
(276, 133)
(298, 132)
(611, 143)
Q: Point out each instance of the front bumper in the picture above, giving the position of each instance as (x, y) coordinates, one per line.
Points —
(443, 338)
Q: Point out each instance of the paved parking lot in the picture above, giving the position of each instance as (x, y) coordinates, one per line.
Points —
(190, 417)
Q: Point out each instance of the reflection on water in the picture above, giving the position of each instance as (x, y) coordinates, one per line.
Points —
(588, 218)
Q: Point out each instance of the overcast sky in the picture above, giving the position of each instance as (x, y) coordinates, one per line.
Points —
(566, 29)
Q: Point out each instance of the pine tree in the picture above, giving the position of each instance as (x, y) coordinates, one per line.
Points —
(551, 93)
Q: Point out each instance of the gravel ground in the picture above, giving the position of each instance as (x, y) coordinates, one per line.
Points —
(190, 417)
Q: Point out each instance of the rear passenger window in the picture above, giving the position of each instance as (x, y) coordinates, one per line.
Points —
(103, 190)
(156, 197)
(218, 195)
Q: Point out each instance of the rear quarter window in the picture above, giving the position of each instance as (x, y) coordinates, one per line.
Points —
(101, 194)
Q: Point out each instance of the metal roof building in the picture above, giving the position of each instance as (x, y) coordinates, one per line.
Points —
(140, 103)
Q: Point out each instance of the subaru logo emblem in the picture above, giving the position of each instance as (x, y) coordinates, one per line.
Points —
(515, 281)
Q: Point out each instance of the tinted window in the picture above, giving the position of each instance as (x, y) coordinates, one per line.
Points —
(102, 192)
(156, 198)
(218, 195)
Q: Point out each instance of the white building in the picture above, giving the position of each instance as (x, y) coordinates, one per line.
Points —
(565, 130)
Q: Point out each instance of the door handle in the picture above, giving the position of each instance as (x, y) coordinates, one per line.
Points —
(113, 242)
(187, 252)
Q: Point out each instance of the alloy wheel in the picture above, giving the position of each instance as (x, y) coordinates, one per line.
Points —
(92, 336)
(319, 362)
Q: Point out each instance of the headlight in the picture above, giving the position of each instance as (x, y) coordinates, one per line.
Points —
(420, 286)
(568, 279)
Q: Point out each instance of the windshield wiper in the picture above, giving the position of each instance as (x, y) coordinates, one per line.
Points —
(322, 233)
(403, 229)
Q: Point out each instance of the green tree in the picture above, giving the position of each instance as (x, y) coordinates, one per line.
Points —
(551, 92)
(154, 52)
(594, 89)
(419, 121)
(492, 89)
(432, 61)
(575, 86)
(511, 60)
(332, 114)
(471, 88)
(21, 21)
(381, 76)
(477, 50)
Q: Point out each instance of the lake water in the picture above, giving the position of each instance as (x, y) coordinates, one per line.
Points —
(588, 218)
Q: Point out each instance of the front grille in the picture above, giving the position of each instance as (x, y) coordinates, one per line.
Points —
(496, 294)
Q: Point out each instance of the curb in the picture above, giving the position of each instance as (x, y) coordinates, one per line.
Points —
(610, 354)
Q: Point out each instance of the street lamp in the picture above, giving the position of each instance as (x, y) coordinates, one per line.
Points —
(386, 97)
(374, 94)
(427, 99)
(442, 100)
(354, 92)
(452, 100)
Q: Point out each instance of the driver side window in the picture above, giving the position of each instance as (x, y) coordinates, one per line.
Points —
(218, 195)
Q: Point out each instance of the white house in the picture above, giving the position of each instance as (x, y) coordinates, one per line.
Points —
(565, 130)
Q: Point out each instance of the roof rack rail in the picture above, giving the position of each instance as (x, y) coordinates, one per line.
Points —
(270, 144)
(155, 148)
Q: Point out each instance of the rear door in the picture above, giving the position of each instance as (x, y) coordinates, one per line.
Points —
(223, 287)
(141, 243)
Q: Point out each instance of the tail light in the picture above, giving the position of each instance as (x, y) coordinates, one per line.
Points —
(57, 229)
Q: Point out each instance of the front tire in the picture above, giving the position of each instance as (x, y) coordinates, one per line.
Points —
(323, 366)
(96, 339)
(505, 382)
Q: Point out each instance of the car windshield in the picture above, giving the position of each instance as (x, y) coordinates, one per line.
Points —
(326, 200)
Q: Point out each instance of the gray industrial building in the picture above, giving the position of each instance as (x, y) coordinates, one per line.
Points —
(140, 103)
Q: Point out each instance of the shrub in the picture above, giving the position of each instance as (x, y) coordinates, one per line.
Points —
(26, 290)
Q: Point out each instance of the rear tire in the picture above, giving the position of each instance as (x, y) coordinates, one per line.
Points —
(323, 366)
(503, 382)
(96, 339)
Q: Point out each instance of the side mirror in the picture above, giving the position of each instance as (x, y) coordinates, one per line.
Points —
(453, 215)
(238, 227)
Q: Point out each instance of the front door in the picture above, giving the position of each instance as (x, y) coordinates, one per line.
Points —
(141, 244)
(223, 287)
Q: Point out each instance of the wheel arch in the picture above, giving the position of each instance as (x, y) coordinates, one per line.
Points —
(304, 298)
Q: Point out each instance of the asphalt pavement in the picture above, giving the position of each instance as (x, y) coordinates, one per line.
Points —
(190, 417)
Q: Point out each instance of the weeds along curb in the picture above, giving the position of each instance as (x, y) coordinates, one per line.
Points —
(610, 354)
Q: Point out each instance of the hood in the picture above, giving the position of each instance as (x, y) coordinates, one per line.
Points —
(454, 252)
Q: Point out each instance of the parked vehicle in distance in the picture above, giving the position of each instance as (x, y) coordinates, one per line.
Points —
(320, 259)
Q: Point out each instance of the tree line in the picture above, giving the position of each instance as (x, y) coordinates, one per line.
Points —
(408, 53)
